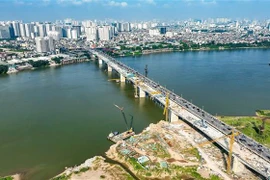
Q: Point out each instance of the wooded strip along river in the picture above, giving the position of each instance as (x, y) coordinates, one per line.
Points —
(59, 117)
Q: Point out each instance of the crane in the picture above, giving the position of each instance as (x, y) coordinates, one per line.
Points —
(232, 138)
(129, 128)
(166, 107)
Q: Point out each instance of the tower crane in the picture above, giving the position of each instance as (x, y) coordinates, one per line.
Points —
(232, 139)
(166, 107)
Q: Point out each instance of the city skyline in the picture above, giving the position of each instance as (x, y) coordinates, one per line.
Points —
(131, 10)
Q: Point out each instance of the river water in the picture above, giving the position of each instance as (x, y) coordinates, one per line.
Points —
(58, 117)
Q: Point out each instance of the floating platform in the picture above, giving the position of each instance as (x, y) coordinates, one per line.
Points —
(119, 137)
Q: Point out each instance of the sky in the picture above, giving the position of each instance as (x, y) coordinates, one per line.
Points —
(132, 10)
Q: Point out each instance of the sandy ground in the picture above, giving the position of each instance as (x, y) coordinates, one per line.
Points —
(96, 168)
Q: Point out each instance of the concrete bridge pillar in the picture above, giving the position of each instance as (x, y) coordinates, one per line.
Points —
(141, 93)
(237, 167)
(173, 117)
(100, 61)
(122, 78)
(109, 68)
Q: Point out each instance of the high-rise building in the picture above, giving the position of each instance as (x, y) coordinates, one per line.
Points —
(42, 45)
(91, 33)
(22, 30)
(125, 27)
(29, 28)
(4, 32)
(78, 30)
(104, 33)
(48, 27)
(162, 30)
(16, 27)
(36, 31)
(42, 30)
(54, 34)
(74, 34)
(51, 43)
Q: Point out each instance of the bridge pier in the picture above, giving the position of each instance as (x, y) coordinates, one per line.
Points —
(142, 93)
(109, 68)
(237, 167)
(100, 62)
(122, 78)
(173, 117)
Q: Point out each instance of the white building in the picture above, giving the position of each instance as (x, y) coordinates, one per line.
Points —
(54, 34)
(16, 27)
(29, 29)
(154, 32)
(42, 30)
(91, 33)
(44, 45)
(104, 33)
(74, 34)
(22, 30)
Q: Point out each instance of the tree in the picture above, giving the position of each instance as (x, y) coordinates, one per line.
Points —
(3, 69)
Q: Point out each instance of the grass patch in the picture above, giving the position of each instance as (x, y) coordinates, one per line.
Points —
(250, 126)
(263, 113)
(135, 164)
(6, 178)
(62, 177)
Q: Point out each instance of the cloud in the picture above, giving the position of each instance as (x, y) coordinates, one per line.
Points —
(120, 4)
(150, 2)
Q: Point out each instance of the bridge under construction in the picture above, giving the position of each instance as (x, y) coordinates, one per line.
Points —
(245, 150)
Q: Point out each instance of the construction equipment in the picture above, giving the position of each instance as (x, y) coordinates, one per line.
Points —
(136, 87)
(166, 107)
(232, 138)
(129, 128)
(146, 70)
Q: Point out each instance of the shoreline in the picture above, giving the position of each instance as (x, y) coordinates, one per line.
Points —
(190, 50)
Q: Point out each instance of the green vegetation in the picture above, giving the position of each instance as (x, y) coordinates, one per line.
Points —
(189, 173)
(263, 113)
(250, 126)
(135, 164)
(3, 69)
(57, 60)
(6, 178)
(62, 177)
(39, 64)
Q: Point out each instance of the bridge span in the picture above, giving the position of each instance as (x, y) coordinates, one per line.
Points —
(246, 150)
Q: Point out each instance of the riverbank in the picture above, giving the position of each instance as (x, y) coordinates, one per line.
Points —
(166, 50)
(13, 177)
(161, 151)
(257, 127)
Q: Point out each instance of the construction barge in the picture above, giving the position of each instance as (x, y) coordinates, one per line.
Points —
(115, 136)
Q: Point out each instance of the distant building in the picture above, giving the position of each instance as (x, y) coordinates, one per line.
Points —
(42, 45)
(29, 29)
(42, 30)
(54, 34)
(22, 30)
(91, 33)
(5, 32)
(74, 34)
(162, 30)
(16, 27)
(105, 33)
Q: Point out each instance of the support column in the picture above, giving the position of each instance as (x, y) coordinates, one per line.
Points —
(109, 68)
(141, 93)
(238, 167)
(100, 61)
(122, 78)
(173, 117)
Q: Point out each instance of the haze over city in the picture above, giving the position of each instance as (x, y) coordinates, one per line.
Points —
(50, 10)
